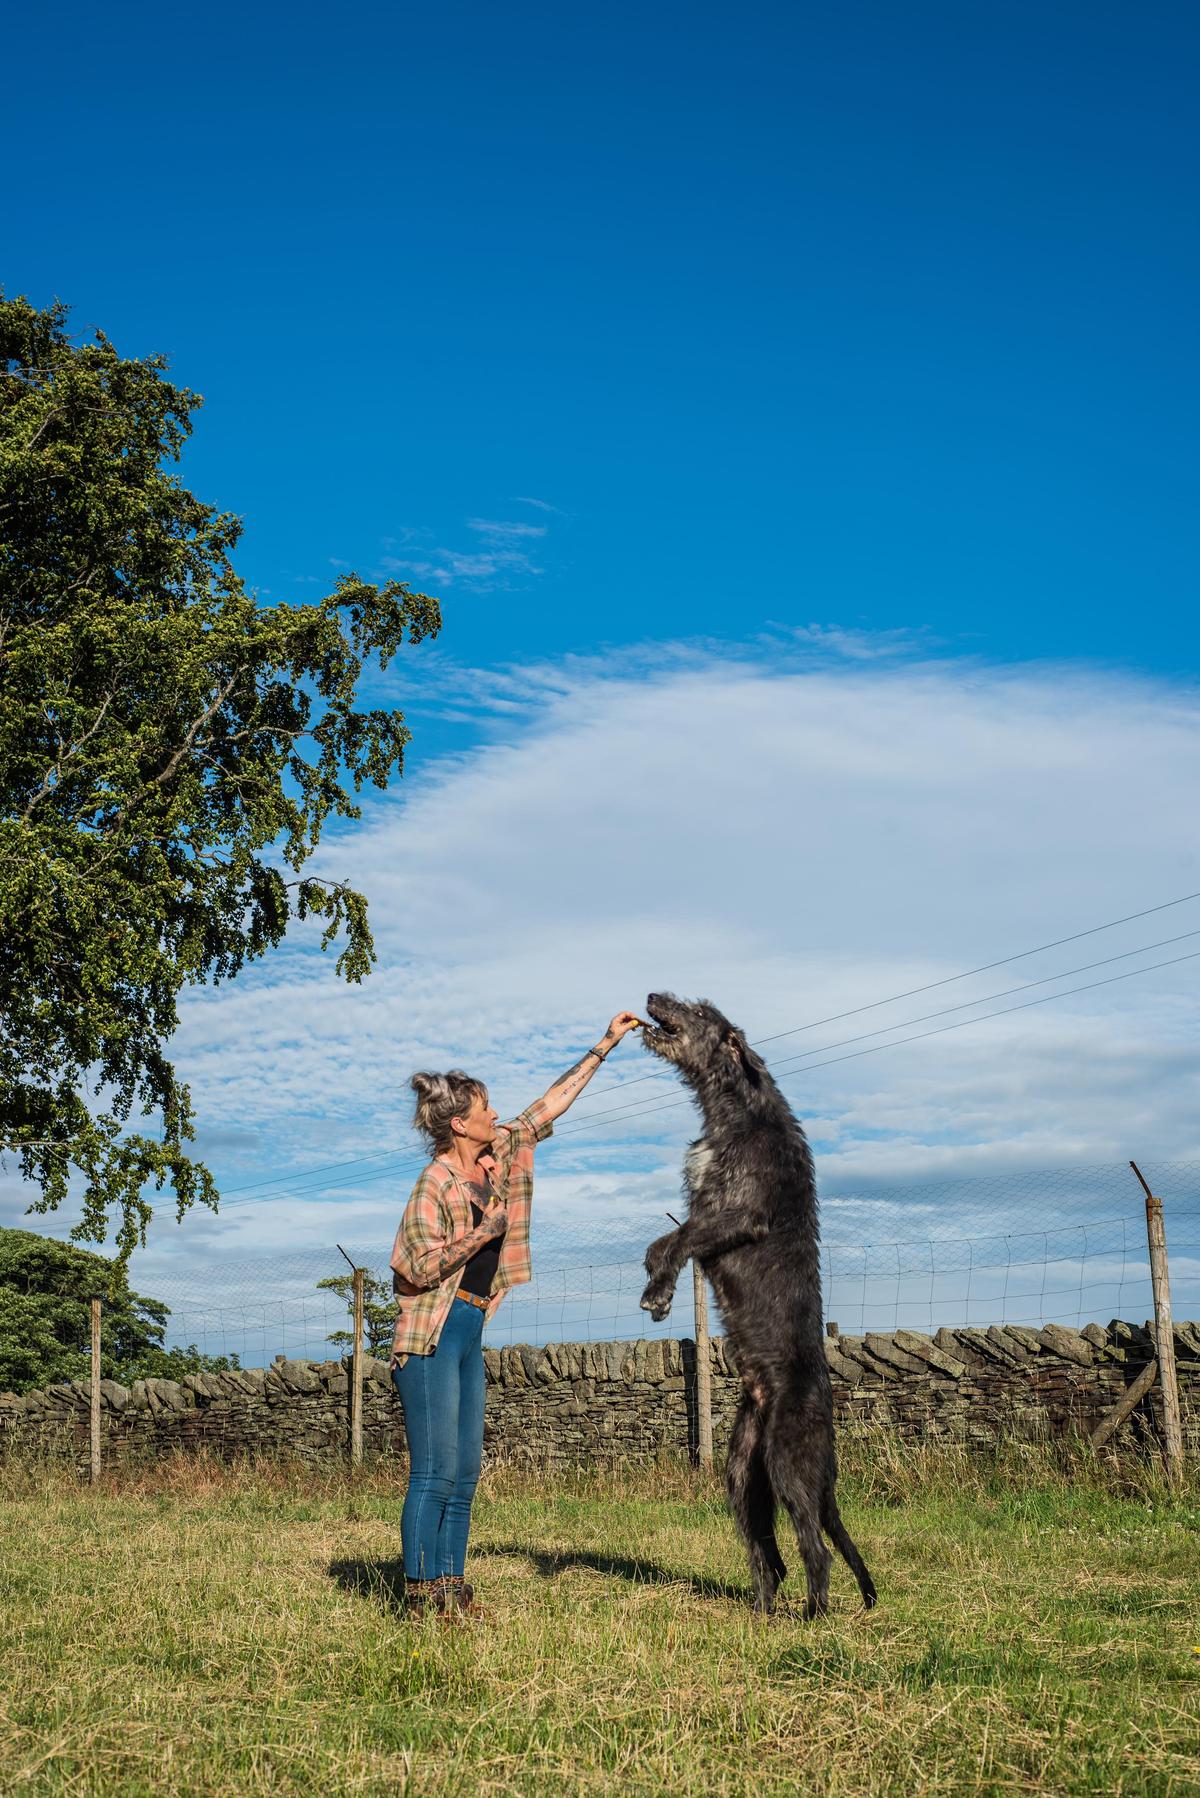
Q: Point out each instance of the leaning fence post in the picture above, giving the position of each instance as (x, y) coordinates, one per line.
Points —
(94, 1430)
(704, 1439)
(1128, 1401)
(356, 1372)
(1164, 1341)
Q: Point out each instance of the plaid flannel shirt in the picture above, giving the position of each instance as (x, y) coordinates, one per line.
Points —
(437, 1236)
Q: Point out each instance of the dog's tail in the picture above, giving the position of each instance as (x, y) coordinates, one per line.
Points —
(839, 1535)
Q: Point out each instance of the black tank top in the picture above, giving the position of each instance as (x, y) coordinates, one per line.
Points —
(480, 1270)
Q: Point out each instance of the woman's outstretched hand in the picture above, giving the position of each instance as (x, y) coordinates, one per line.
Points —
(622, 1024)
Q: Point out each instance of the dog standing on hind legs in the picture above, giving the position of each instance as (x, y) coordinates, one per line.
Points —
(752, 1226)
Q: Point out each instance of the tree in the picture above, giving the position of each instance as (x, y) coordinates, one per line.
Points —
(46, 1288)
(170, 751)
(379, 1312)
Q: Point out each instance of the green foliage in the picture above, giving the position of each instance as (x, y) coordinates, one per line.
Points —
(379, 1312)
(46, 1289)
(170, 751)
(173, 1363)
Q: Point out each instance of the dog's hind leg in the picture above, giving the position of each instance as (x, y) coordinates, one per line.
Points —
(839, 1535)
(797, 1445)
(752, 1503)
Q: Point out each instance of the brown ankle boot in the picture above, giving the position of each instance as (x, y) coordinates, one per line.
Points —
(422, 1596)
(460, 1597)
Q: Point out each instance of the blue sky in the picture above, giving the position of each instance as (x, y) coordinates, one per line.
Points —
(794, 409)
(864, 314)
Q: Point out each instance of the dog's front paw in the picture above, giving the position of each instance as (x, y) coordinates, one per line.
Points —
(658, 1259)
(657, 1300)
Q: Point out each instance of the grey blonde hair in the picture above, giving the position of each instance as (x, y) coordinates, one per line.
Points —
(441, 1097)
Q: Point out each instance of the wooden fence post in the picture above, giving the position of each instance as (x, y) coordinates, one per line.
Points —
(95, 1392)
(1129, 1399)
(356, 1371)
(1164, 1341)
(704, 1434)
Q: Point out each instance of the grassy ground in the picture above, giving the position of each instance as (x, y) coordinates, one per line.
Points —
(199, 1630)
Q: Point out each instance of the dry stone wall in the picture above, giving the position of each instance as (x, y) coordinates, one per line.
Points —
(582, 1402)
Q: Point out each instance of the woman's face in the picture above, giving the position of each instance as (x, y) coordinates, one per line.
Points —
(479, 1123)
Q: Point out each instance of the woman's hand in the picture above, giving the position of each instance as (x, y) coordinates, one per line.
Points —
(495, 1219)
(622, 1024)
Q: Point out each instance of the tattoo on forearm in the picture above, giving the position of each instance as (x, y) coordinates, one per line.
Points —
(578, 1075)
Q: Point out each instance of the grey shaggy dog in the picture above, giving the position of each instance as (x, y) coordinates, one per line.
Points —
(752, 1225)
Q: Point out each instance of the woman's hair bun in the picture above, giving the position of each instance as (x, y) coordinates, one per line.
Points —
(441, 1097)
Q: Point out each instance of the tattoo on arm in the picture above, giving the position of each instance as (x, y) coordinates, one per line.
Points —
(575, 1076)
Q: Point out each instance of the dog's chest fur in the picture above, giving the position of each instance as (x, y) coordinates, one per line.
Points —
(698, 1164)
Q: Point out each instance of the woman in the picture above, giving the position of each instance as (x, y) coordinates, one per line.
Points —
(462, 1242)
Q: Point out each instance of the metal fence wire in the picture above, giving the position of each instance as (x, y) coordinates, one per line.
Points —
(1063, 1246)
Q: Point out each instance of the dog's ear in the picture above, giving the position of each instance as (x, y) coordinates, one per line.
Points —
(740, 1054)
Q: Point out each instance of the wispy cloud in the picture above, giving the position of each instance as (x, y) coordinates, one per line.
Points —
(502, 557)
(859, 645)
(793, 837)
(793, 845)
(542, 505)
(504, 530)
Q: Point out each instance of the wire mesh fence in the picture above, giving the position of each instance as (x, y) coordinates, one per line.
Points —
(1065, 1246)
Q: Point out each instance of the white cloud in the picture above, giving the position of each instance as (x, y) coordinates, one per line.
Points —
(504, 530)
(792, 839)
(502, 557)
(857, 645)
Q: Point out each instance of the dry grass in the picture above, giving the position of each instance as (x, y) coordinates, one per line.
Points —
(197, 1629)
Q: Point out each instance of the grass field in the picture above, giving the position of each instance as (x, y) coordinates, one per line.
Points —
(217, 1631)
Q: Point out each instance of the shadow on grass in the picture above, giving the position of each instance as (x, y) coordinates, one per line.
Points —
(382, 1581)
(549, 1563)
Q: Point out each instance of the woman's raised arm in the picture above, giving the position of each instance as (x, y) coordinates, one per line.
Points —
(567, 1088)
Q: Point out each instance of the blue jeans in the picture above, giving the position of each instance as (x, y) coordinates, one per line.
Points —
(442, 1395)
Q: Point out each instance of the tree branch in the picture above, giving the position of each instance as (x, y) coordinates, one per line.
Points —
(46, 422)
(195, 728)
(54, 776)
(49, 1142)
(269, 730)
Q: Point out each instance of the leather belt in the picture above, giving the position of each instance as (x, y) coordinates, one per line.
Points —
(470, 1298)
